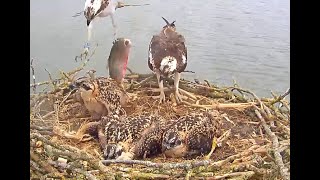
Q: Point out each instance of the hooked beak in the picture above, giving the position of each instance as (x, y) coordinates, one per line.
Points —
(73, 86)
(88, 22)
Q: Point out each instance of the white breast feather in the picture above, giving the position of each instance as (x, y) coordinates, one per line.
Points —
(151, 58)
(87, 4)
(170, 61)
(96, 5)
(184, 59)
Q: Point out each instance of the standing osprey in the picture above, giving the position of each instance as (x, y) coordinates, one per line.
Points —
(168, 55)
(99, 8)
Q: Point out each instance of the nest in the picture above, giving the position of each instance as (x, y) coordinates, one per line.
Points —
(255, 143)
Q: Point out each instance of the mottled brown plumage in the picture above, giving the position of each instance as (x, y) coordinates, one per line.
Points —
(116, 134)
(188, 136)
(168, 55)
(167, 43)
(191, 135)
(101, 96)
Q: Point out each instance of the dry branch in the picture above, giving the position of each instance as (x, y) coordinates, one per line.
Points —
(275, 144)
(33, 76)
(88, 175)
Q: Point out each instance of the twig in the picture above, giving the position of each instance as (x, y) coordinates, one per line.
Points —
(220, 106)
(223, 137)
(78, 14)
(41, 128)
(77, 155)
(190, 95)
(185, 165)
(39, 84)
(53, 82)
(70, 167)
(45, 140)
(48, 114)
(131, 72)
(246, 174)
(46, 167)
(281, 97)
(275, 144)
(33, 77)
(143, 81)
(141, 175)
(36, 167)
(251, 93)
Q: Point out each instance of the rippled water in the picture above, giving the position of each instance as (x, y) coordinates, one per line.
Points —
(248, 41)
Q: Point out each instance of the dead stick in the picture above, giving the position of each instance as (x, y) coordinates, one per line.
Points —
(186, 166)
(247, 174)
(281, 97)
(190, 95)
(36, 167)
(41, 128)
(275, 144)
(251, 93)
(221, 105)
(47, 167)
(68, 166)
(39, 84)
(33, 76)
(53, 82)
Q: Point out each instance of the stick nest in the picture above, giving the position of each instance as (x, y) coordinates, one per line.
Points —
(255, 145)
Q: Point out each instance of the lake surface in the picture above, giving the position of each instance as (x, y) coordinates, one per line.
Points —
(245, 40)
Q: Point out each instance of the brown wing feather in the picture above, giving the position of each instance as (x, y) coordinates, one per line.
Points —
(90, 14)
(104, 4)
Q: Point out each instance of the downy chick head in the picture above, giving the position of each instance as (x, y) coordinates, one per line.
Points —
(173, 144)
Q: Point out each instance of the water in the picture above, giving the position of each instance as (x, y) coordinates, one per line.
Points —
(248, 41)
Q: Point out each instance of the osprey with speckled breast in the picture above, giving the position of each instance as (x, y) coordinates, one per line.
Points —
(168, 55)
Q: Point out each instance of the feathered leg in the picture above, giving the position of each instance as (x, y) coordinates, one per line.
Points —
(162, 96)
(87, 45)
(115, 28)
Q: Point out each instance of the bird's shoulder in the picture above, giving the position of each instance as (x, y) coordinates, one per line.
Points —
(188, 122)
(94, 7)
(108, 90)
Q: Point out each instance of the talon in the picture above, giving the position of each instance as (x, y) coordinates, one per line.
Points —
(178, 96)
(213, 147)
(161, 97)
